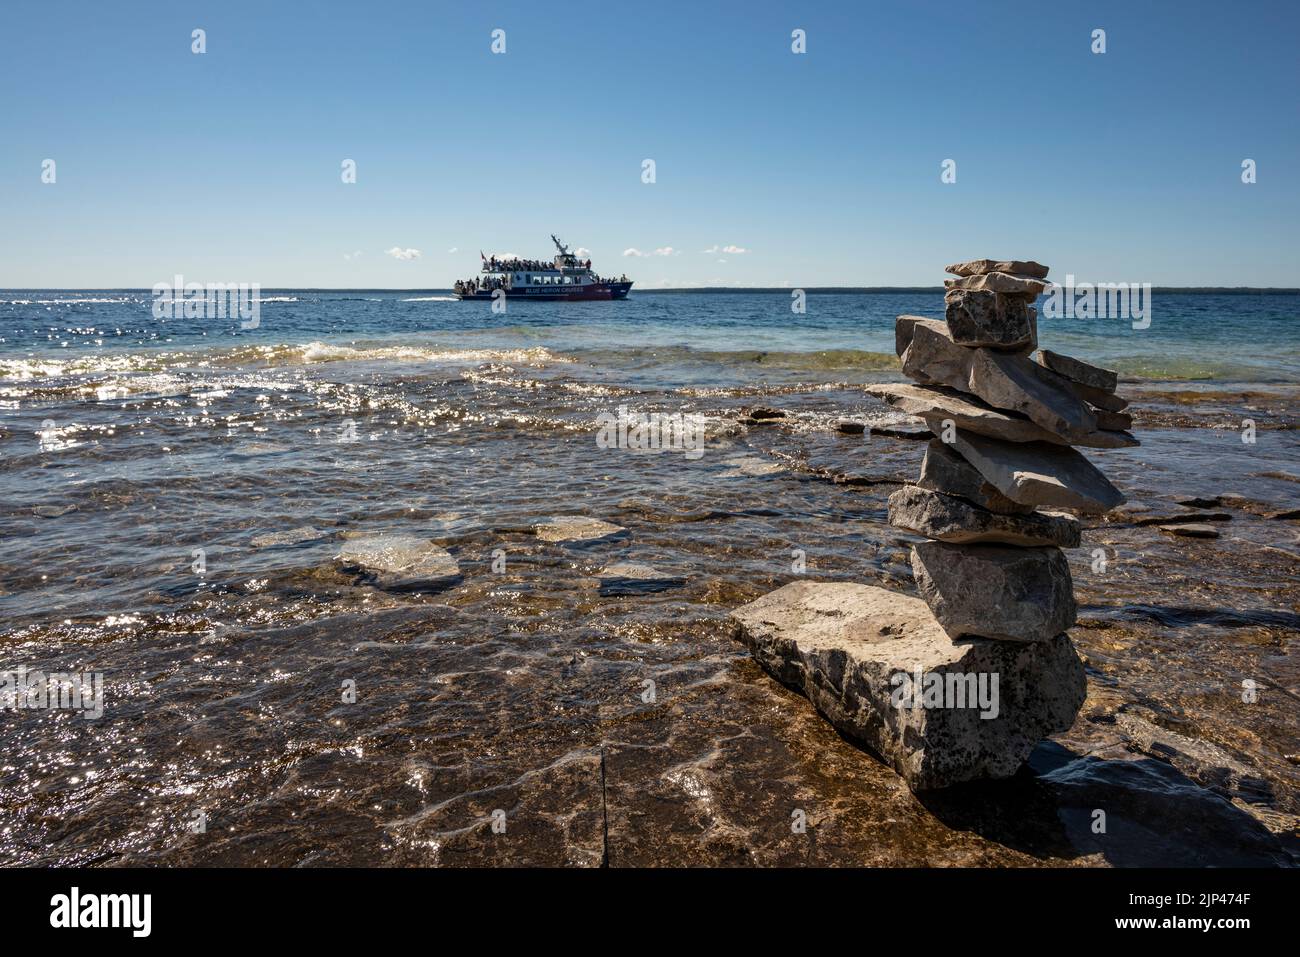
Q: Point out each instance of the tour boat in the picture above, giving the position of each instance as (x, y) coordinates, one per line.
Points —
(566, 277)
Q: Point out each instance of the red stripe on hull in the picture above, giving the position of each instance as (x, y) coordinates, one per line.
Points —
(600, 294)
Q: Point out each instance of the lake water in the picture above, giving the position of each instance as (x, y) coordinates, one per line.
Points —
(177, 493)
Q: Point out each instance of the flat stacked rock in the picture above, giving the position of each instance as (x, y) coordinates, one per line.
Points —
(993, 574)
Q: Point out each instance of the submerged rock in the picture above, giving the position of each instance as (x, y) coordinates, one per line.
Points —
(949, 519)
(996, 591)
(856, 651)
(631, 578)
(1184, 518)
(1192, 530)
(401, 562)
(742, 466)
(292, 536)
(576, 528)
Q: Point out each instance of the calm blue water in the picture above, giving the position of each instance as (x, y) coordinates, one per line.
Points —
(657, 338)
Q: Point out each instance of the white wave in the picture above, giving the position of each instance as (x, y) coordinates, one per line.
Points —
(323, 352)
(43, 368)
(61, 302)
(432, 299)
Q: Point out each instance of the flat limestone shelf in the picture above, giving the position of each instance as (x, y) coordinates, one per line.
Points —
(856, 651)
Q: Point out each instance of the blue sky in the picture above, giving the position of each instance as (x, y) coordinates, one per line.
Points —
(823, 167)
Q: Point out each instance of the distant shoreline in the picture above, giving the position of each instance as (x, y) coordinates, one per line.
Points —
(822, 290)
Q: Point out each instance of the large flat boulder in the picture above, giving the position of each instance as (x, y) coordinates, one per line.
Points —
(856, 651)
(978, 267)
(947, 518)
(1039, 474)
(943, 470)
(996, 591)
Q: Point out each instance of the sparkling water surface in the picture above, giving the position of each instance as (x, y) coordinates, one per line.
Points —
(130, 446)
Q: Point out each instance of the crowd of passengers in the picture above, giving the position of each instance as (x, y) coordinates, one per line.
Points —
(523, 265)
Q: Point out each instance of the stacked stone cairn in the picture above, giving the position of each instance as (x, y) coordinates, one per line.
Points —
(989, 501)
(1002, 461)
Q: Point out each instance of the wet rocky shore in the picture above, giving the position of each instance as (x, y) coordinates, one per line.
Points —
(471, 609)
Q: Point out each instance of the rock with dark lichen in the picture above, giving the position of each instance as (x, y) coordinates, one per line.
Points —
(856, 651)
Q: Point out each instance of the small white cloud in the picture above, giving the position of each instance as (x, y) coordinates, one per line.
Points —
(405, 255)
(734, 250)
(633, 252)
(352, 255)
(582, 252)
(453, 249)
(666, 251)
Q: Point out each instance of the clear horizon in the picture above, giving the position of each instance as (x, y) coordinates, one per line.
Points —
(774, 289)
(772, 168)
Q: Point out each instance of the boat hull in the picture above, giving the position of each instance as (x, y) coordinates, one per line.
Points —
(598, 292)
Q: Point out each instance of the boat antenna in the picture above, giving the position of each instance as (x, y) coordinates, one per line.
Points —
(564, 250)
